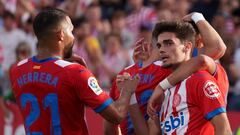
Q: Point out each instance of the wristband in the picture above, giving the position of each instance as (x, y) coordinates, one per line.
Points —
(165, 84)
(133, 99)
(196, 17)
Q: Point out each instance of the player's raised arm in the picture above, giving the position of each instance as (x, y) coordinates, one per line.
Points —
(201, 62)
(213, 45)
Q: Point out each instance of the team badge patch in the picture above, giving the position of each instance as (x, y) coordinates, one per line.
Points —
(92, 83)
(211, 90)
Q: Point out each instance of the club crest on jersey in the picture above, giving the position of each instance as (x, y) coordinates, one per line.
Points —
(211, 90)
(92, 83)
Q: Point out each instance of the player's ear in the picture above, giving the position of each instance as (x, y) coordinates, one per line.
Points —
(188, 46)
(60, 35)
(199, 41)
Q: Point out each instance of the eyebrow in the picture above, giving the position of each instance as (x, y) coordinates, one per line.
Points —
(167, 40)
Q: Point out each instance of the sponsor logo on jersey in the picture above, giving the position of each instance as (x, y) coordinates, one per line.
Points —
(172, 123)
(211, 90)
(93, 84)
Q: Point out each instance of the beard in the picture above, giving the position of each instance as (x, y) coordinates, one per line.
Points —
(68, 52)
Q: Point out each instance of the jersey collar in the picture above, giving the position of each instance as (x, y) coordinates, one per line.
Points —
(34, 59)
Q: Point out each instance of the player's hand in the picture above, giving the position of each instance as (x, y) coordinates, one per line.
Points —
(141, 50)
(154, 103)
(127, 83)
(77, 59)
(120, 80)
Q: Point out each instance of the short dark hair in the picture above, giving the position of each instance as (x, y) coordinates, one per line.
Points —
(46, 20)
(183, 30)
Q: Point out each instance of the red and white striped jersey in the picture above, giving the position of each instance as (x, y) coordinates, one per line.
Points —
(188, 107)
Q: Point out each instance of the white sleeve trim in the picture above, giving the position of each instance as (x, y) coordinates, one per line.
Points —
(22, 62)
(63, 63)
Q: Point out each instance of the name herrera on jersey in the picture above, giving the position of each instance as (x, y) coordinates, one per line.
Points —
(39, 77)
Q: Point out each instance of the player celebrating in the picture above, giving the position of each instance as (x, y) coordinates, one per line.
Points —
(52, 93)
(217, 49)
(189, 105)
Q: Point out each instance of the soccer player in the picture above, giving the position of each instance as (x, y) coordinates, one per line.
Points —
(52, 92)
(150, 75)
(194, 104)
(217, 49)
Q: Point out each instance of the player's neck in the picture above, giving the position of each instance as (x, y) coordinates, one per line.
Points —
(44, 53)
(147, 62)
(151, 59)
(47, 50)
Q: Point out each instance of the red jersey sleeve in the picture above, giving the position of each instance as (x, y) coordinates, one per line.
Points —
(89, 91)
(221, 76)
(207, 95)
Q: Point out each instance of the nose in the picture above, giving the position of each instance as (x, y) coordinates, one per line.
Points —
(161, 50)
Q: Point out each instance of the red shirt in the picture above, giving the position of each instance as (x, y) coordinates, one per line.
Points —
(188, 107)
(222, 80)
(52, 94)
(150, 77)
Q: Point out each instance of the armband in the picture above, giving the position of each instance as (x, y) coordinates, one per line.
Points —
(165, 84)
(196, 17)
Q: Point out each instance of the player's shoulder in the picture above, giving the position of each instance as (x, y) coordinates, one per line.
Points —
(201, 76)
(157, 65)
(129, 69)
(70, 66)
(19, 64)
(65, 64)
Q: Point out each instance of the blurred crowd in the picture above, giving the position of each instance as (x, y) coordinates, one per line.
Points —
(106, 30)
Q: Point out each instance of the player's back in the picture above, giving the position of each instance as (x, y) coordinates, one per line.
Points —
(47, 96)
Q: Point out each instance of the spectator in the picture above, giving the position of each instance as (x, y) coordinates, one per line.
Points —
(139, 15)
(115, 59)
(98, 27)
(30, 36)
(75, 8)
(86, 45)
(10, 38)
(118, 25)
